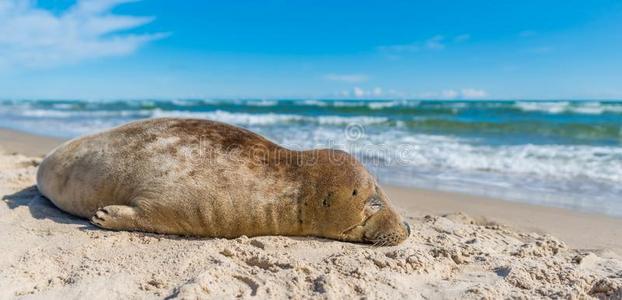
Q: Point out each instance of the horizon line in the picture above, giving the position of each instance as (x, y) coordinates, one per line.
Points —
(305, 99)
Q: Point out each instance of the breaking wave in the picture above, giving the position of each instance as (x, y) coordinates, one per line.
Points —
(560, 153)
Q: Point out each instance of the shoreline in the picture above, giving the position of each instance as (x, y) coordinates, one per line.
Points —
(581, 230)
(16, 141)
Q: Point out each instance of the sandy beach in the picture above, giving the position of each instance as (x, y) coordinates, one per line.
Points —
(462, 246)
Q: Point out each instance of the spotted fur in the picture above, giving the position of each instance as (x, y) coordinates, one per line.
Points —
(206, 178)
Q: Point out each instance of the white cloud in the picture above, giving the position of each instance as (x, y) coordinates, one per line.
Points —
(454, 94)
(400, 48)
(449, 94)
(473, 93)
(34, 37)
(358, 92)
(350, 78)
(376, 91)
(437, 42)
(462, 38)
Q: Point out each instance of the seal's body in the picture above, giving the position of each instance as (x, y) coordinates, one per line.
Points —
(205, 178)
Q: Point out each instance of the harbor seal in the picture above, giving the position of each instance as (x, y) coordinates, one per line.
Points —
(206, 178)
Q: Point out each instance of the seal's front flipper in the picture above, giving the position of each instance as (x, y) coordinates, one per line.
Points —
(116, 217)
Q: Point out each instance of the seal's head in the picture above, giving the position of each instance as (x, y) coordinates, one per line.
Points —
(348, 204)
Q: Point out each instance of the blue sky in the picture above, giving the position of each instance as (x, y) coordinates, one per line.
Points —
(102, 49)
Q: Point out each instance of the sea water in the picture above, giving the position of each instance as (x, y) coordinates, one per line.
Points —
(557, 153)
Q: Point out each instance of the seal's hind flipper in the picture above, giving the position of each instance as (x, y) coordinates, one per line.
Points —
(117, 217)
(130, 218)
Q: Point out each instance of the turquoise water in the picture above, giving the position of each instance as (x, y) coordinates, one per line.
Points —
(558, 153)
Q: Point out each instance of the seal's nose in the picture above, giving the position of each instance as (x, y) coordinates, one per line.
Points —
(407, 228)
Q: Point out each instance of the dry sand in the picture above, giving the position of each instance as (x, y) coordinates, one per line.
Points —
(47, 254)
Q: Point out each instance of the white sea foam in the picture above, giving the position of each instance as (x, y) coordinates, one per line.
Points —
(270, 118)
(229, 117)
(548, 107)
(544, 161)
(63, 106)
(184, 102)
(444, 153)
(43, 113)
(314, 102)
(349, 103)
(557, 107)
(395, 152)
(560, 175)
(374, 105)
(261, 102)
(381, 105)
(359, 120)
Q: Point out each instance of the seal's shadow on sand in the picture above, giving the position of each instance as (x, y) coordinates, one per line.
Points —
(41, 207)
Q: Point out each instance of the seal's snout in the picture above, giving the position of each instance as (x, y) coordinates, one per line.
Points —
(386, 228)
